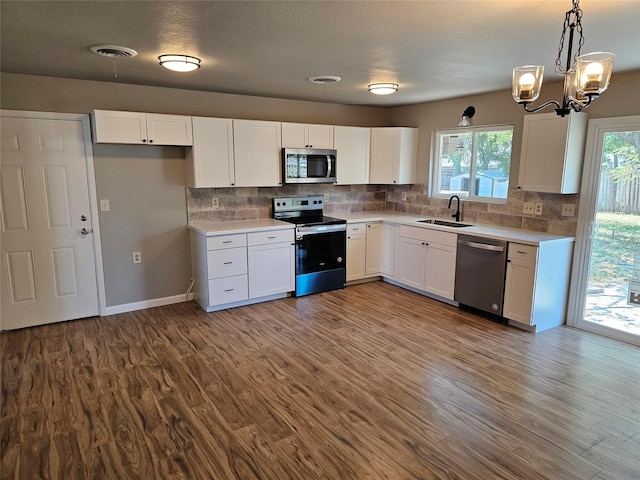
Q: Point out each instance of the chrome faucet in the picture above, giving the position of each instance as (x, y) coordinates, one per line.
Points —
(457, 214)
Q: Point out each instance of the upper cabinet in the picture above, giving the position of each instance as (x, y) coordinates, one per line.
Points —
(301, 135)
(552, 152)
(210, 163)
(394, 152)
(257, 146)
(141, 128)
(352, 145)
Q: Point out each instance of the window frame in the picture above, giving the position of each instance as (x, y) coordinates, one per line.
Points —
(434, 186)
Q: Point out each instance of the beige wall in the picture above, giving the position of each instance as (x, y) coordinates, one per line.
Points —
(621, 99)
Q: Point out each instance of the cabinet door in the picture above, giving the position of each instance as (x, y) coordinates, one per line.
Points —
(295, 135)
(552, 151)
(320, 136)
(256, 145)
(410, 262)
(169, 129)
(382, 154)
(118, 127)
(406, 151)
(353, 145)
(518, 291)
(440, 273)
(373, 262)
(388, 250)
(210, 161)
(271, 269)
(356, 251)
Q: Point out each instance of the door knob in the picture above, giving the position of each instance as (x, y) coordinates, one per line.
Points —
(86, 231)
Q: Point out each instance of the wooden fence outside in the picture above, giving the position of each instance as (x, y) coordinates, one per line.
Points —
(618, 197)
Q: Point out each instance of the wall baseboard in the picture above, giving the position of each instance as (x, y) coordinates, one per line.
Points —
(155, 302)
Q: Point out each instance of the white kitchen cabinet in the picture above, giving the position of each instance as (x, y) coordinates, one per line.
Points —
(210, 162)
(356, 251)
(301, 135)
(353, 146)
(426, 260)
(257, 146)
(110, 126)
(537, 284)
(394, 152)
(271, 262)
(220, 269)
(552, 152)
(373, 263)
(388, 252)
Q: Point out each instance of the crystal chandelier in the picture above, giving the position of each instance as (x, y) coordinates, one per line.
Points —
(585, 76)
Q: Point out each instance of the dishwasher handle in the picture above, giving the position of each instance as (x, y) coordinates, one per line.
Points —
(481, 246)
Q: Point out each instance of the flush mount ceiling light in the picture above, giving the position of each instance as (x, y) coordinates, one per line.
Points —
(383, 88)
(585, 76)
(179, 63)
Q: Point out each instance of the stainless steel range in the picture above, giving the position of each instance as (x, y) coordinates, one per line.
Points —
(321, 244)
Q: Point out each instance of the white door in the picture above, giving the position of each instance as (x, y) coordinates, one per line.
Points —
(605, 290)
(48, 270)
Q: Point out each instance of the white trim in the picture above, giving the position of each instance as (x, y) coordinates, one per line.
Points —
(155, 302)
(588, 197)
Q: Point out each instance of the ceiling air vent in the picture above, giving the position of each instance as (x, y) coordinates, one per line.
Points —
(113, 51)
(324, 79)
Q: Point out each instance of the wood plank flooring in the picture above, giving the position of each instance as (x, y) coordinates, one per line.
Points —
(371, 382)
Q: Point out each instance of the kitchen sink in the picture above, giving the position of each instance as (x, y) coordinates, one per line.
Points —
(444, 223)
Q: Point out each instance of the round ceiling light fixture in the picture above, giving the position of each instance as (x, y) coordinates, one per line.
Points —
(383, 88)
(113, 51)
(324, 79)
(179, 63)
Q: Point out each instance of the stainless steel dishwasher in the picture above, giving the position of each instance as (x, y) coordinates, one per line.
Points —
(480, 272)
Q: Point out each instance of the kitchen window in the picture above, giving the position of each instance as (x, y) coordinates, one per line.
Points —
(472, 162)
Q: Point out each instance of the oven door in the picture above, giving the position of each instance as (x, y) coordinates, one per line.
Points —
(320, 259)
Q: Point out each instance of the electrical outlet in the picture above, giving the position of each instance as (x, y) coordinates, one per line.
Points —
(326, 198)
(538, 209)
(404, 196)
(137, 257)
(215, 202)
(568, 209)
(528, 208)
(104, 205)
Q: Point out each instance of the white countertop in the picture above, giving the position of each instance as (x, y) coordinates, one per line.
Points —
(239, 226)
(527, 237)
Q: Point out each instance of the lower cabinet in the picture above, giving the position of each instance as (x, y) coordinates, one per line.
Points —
(537, 284)
(426, 260)
(237, 269)
(271, 268)
(364, 250)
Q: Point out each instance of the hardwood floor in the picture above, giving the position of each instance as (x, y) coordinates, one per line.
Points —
(370, 382)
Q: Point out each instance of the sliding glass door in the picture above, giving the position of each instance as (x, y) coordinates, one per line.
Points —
(605, 296)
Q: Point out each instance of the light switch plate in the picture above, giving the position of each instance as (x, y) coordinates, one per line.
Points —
(528, 208)
(568, 209)
(404, 196)
(104, 205)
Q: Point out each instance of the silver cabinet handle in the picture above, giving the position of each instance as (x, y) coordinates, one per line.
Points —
(227, 263)
(229, 290)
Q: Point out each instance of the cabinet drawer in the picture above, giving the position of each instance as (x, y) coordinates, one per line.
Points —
(429, 235)
(228, 290)
(226, 241)
(518, 251)
(272, 236)
(226, 263)
(356, 228)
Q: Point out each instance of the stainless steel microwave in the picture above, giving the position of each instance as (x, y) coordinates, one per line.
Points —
(308, 165)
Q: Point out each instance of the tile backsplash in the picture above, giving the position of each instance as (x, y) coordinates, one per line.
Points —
(245, 203)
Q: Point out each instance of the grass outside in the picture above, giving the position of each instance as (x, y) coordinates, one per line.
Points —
(615, 243)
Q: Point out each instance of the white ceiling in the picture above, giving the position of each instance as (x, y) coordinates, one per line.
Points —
(432, 49)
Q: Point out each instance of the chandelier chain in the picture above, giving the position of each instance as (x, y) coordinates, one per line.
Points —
(569, 23)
